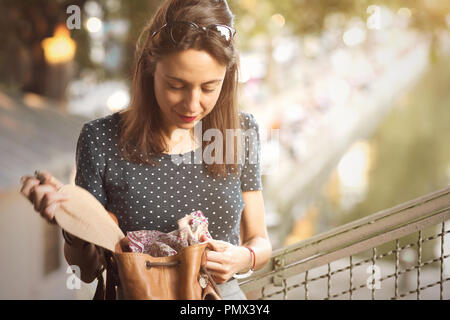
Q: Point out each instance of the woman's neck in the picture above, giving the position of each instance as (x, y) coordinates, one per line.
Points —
(180, 141)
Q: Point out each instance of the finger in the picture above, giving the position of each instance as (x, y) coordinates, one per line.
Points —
(24, 178)
(52, 197)
(204, 238)
(37, 193)
(215, 256)
(49, 212)
(28, 185)
(49, 179)
(214, 267)
(218, 245)
(218, 278)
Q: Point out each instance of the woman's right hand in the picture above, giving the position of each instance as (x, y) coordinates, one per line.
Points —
(44, 197)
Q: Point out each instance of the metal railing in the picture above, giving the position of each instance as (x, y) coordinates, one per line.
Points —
(398, 253)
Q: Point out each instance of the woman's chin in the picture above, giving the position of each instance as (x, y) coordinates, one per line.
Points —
(184, 125)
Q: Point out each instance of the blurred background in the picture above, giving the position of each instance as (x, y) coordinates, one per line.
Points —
(352, 98)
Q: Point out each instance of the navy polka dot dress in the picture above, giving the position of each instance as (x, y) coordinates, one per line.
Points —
(145, 197)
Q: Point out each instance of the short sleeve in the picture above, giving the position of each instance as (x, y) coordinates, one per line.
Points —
(251, 171)
(90, 164)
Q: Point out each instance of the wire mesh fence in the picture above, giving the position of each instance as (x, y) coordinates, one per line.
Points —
(400, 253)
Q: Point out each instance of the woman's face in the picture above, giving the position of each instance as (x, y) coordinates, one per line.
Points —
(187, 87)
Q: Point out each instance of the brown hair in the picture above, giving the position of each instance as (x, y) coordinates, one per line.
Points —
(141, 124)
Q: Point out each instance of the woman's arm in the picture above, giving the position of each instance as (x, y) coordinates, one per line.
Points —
(253, 227)
(43, 194)
(85, 255)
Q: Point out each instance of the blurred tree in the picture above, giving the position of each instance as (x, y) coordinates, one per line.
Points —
(137, 12)
(306, 17)
(23, 25)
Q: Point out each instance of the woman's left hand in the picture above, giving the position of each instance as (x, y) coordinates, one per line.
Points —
(225, 259)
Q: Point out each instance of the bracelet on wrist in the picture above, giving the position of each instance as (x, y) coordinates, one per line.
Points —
(243, 275)
(252, 253)
(252, 268)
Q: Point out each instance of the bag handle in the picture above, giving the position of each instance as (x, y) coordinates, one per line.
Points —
(111, 275)
(149, 264)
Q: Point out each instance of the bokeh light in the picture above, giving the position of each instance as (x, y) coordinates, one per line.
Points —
(60, 48)
(94, 24)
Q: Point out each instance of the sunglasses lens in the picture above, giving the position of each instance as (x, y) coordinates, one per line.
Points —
(222, 32)
(180, 30)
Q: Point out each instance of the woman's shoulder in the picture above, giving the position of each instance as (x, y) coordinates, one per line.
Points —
(106, 126)
(247, 120)
(104, 123)
(102, 132)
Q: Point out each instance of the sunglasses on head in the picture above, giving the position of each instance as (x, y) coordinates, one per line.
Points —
(179, 29)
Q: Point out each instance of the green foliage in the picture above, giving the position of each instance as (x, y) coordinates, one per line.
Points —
(412, 157)
(309, 17)
(25, 23)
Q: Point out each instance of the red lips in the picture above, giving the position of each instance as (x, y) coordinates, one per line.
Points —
(187, 119)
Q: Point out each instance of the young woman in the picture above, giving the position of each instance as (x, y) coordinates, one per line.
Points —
(185, 81)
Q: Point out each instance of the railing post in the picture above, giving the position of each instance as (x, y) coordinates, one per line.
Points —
(279, 280)
(397, 262)
(419, 262)
(351, 278)
(328, 281)
(278, 265)
(442, 262)
(374, 257)
(306, 285)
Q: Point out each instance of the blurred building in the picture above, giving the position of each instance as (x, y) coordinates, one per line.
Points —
(33, 136)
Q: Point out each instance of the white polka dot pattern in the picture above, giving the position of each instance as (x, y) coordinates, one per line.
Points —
(146, 197)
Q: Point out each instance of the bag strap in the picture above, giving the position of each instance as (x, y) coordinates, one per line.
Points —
(112, 280)
(100, 291)
(108, 293)
(211, 280)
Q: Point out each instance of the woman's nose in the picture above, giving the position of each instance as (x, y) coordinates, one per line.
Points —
(192, 102)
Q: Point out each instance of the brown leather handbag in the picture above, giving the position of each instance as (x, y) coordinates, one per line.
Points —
(138, 276)
(131, 275)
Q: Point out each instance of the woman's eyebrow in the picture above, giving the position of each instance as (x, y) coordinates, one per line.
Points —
(183, 81)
